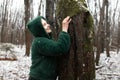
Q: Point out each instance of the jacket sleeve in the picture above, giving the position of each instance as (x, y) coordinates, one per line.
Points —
(50, 47)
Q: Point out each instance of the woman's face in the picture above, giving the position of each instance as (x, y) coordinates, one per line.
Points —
(46, 26)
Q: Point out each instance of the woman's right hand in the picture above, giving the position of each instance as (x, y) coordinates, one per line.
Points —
(65, 23)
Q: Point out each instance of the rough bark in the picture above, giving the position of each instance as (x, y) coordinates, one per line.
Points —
(79, 63)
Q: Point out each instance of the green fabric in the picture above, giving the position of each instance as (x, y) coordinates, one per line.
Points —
(36, 28)
(45, 51)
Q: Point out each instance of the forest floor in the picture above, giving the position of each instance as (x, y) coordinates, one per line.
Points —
(17, 68)
(109, 67)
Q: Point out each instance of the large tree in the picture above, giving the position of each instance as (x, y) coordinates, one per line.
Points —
(79, 64)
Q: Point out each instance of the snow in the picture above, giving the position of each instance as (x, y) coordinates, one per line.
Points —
(108, 69)
(15, 70)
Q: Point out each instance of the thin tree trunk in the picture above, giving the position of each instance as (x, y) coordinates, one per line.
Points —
(118, 34)
(27, 33)
(96, 24)
(39, 13)
(100, 34)
(113, 19)
(107, 30)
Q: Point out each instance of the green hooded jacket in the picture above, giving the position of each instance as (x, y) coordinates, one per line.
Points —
(45, 51)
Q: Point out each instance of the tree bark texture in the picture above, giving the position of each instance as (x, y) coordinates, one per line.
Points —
(51, 17)
(79, 63)
(27, 33)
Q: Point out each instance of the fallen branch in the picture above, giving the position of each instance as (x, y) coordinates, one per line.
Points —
(8, 59)
(99, 67)
(115, 74)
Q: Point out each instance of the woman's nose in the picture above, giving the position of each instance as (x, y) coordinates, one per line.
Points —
(48, 25)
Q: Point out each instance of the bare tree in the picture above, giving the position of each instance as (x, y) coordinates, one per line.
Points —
(113, 18)
(100, 34)
(10, 22)
(95, 15)
(107, 25)
(39, 9)
(4, 20)
(27, 33)
(118, 34)
(51, 16)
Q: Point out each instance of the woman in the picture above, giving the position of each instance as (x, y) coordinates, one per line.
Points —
(45, 50)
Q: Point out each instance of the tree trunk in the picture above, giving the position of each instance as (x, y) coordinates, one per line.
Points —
(79, 64)
(118, 35)
(95, 24)
(27, 33)
(50, 15)
(4, 21)
(107, 30)
(100, 34)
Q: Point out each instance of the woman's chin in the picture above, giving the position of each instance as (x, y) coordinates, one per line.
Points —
(49, 31)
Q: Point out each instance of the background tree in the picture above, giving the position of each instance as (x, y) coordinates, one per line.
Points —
(118, 34)
(51, 16)
(79, 64)
(27, 33)
(107, 30)
(100, 34)
(105, 27)
(4, 20)
(11, 27)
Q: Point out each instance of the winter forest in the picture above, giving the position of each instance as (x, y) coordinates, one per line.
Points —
(94, 31)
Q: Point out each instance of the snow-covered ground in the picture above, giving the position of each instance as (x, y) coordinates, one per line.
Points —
(109, 68)
(15, 70)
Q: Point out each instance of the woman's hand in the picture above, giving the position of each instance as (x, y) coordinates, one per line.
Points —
(65, 23)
